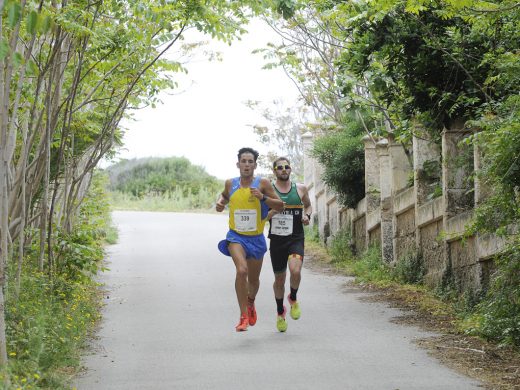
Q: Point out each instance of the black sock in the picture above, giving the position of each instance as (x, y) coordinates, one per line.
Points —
(293, 293)
(279, 305)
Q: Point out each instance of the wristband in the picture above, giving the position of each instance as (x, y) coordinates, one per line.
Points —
(308, 216)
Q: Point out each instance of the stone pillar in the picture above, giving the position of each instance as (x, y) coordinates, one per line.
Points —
(308, 170)
(400, 164)
(425, 152)
(402, 169)
(385, 185)
(457, 171)
(457, 174)
(372, 181)
(372, 184)
(426, 157)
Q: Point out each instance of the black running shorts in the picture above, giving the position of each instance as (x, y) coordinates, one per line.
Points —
(280, 250)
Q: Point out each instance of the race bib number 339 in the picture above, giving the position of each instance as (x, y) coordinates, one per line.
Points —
(245, 220)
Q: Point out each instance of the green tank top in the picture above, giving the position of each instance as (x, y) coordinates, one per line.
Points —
(289, 222)
(290, 198)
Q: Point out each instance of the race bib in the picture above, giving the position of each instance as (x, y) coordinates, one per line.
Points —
(282, 224)
(245, 220)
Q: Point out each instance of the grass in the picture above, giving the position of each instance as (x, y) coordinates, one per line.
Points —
(49, 319)
(176, 202)
(47, 327)
(370, 271)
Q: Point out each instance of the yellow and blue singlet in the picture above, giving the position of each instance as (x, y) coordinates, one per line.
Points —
(247, 214)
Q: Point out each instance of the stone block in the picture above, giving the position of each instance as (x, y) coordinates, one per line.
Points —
(373, 219)
(456, 226)
(403, 201)
(429, 212)
(433, 252)
(489, 245)
(374, 236)
(359, 234)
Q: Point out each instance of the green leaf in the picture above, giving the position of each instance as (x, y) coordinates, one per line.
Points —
(32, 20)
(17, 59)
(45, 24)
(13, 13)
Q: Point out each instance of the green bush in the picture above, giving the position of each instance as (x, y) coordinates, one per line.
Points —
(161, 177)
(177, 200)
(342, 155)
(409, 269)
(47, 325)
(312, 233)
(341, 246)
(370, 266)
(49, 318)
(499, 311)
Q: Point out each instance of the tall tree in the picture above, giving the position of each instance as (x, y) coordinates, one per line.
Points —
(69, 72)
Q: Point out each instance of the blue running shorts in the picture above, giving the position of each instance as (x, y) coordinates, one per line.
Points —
(255, 246)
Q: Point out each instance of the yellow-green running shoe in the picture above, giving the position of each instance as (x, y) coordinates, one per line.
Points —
(281, 323)
(295, 308)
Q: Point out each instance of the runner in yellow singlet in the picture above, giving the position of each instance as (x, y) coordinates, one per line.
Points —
(250, 199)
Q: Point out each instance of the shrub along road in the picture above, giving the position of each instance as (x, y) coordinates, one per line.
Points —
(171, 310)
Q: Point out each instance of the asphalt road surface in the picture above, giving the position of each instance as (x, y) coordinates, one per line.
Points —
(170, 315)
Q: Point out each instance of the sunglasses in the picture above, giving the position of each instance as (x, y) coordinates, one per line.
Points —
(282, 167)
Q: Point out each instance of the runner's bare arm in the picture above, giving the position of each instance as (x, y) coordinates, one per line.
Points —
(223, 198)
(270, 196)
(307, 207)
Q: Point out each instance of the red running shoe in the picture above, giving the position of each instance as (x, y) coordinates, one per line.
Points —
(242, 324)
(251, 313)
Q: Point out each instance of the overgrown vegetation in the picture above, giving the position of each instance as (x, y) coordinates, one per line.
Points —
(162, 184)
(495, 317)
(369, 267)
(341, 152)
(49, 318)
(412, 65)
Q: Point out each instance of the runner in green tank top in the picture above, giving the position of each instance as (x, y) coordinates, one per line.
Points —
(288, 239)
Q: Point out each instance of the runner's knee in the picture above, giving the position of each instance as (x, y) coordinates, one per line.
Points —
(242, 271)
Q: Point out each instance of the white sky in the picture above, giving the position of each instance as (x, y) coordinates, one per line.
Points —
(209, 122)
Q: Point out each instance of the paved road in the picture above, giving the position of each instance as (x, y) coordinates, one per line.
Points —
(171, 310)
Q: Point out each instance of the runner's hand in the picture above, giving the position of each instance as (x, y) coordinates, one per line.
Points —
(219, 206)
(256, 193)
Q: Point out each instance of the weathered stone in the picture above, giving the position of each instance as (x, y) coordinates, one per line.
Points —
(401, 165)
(359, 234)
(404, 234)
(374, 236)
(414, 222)
(404, 200)
(433, 253)
(465, 269)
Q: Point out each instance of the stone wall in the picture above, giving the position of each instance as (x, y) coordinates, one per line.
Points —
(426, 218)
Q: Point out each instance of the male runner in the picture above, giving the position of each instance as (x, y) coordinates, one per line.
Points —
(287, 239)
(249, 199)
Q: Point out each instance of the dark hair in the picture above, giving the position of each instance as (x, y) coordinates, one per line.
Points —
(248, 150)
(280, 159)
